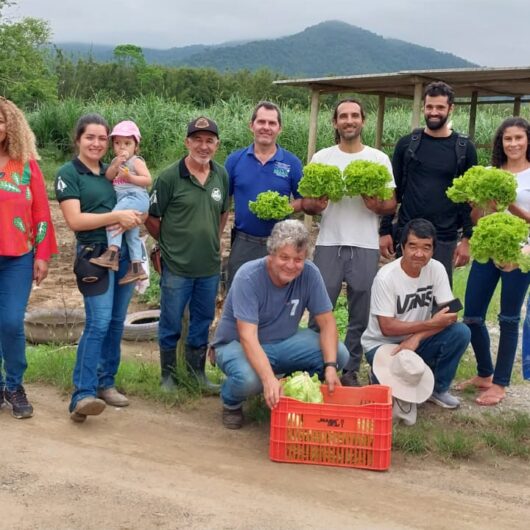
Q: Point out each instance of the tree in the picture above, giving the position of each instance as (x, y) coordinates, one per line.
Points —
(26, 73)
(129, 54)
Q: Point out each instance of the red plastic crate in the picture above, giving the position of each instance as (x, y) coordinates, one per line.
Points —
(352, 428)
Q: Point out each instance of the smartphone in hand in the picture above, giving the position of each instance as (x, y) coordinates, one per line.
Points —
(454, 306)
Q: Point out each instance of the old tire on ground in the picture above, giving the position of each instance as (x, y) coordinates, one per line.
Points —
(59, 326)
(142, 325)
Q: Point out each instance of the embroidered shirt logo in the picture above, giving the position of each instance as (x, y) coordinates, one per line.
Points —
(216, 195)
(281, 169)
(61, 186)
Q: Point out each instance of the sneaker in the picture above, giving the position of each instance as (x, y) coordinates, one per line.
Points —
(110, 259)
(233, 418)
(445, 400)
(112, 397)
(89, 406)
(349, 378)
(135, 273)
(17, 400)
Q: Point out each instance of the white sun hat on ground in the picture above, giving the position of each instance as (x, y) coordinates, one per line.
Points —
(405, 373)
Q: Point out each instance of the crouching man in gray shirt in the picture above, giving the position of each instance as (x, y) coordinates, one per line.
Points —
(258, 335)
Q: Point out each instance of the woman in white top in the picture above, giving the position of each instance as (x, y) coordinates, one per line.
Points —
(511, 152)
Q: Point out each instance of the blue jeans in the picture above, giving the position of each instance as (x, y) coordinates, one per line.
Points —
(16, 277)
(176, 293)
(133, 199)
(98, 352)
(483, 279)
(441, 352)
(526, 342)
(299, 352)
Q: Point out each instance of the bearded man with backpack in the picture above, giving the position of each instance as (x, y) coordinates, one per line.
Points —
(425, 163)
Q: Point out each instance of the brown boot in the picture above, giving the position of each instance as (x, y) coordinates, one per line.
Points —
(110, 259)
(136, 272)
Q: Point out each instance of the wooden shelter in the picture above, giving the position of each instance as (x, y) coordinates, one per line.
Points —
(472, 86)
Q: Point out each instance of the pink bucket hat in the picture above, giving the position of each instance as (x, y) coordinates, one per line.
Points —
(127, 128)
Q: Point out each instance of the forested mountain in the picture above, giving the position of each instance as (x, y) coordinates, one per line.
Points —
(329, 48)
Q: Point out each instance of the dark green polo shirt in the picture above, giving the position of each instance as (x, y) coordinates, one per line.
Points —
(94, 192)
(190, 218)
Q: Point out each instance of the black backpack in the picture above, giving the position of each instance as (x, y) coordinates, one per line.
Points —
(410, 154)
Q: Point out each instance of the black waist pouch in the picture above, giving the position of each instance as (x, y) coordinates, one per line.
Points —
(92, 280)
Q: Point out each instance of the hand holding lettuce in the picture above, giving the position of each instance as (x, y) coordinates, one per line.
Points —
(321, 180)
(367, 178)
(484, 187)
(360, 178)
(500, 237)
(271, 205)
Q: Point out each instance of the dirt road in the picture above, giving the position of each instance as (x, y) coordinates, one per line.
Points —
(146, 467)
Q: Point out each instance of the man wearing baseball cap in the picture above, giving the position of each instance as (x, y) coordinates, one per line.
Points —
(188, 211)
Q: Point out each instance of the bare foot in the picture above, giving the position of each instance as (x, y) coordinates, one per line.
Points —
(493, 396)
(482, 383)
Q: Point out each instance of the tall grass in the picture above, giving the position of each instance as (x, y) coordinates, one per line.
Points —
(163, 123)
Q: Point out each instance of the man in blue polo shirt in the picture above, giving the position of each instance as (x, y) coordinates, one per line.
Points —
(262, 166)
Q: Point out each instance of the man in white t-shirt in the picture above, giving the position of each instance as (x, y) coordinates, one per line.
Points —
(347, 248)
(404, 293)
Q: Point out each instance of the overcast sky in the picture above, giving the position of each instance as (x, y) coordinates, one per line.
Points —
(487, 32)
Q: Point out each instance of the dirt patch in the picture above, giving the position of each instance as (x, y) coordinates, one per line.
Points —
(151, 468)
(59, 289)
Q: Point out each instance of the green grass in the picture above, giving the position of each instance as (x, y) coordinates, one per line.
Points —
(54, 365)
(162, 123)
(410, 441)
(460, 436)
(455, 444)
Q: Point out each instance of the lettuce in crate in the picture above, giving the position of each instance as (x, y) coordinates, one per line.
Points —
(303, 387)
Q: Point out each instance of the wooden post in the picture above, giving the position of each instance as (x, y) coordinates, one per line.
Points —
(473, 115)
(313, 124)
(517, 106)
(312, 139)
(380, 122)
(416, 105)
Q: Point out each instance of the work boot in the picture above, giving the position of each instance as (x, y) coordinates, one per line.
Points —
(196, 363)
(110, 259)
(349, 378)
(20, 406)
(88, 406)
(136, 272)
(233, 418)
(112, 397)
(168, 363)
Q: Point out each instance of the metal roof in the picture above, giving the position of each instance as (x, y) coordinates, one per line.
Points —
(485, 82)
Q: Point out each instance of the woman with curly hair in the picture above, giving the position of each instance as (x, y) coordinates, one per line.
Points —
(511, 152)
(27, 241)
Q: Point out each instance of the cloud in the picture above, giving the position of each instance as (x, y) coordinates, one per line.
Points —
(483, 31)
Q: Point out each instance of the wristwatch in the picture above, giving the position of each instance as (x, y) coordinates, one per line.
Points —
(330, 363)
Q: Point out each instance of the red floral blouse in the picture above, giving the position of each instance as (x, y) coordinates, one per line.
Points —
(25, 220)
